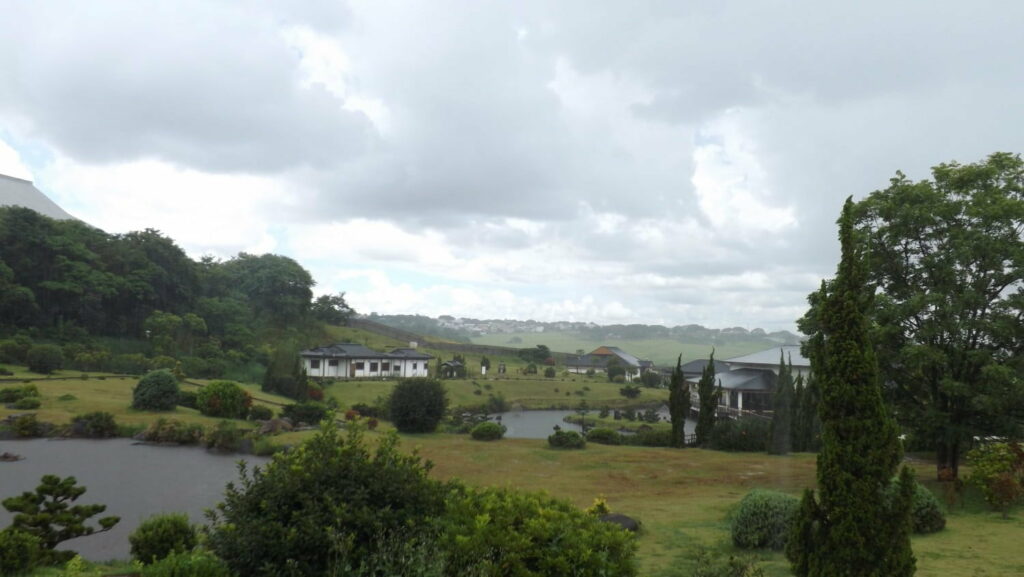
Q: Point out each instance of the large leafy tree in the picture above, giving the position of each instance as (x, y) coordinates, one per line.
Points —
(852, 528)
(948, 262)
(678, 404)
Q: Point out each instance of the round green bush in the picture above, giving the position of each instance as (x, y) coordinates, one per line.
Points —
(161, 535)
(223, 399)
(96, 425)
(604, 436)
(763, 520)
(188, 564)
(156, 391)
(44, 359)
(417, 405)
(19, 551)
(27, 404)
(926, 513)
(488, 431)
(567, 440)
(260, 413)
(309, 412)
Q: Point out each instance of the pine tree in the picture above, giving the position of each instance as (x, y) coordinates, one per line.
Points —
(709, 395)
(678, 404)
(851, 529)
(781, 442)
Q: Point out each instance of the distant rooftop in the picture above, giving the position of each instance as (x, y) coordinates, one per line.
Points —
(18, 192)
(770, 357)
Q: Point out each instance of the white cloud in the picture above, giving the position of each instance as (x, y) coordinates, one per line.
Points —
(11, 163)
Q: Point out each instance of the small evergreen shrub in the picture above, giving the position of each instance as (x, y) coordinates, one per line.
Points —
(549, 372)
(488, 431)
(763, 520)
(27, 404)
(19, 551)
(417, 405)
(604, 436)
(188, 564)
(746, 434)
(309, 412)
(96, 425)
(162, 535)
(173, 431)
(567, 440)
(156, 391)
(15, 394)
(260, 413)
(44, 359)
(188, 399)
(926, 513)
(26, 426)
(223, 399)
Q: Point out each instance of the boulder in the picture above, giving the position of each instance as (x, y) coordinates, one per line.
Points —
(624, 521)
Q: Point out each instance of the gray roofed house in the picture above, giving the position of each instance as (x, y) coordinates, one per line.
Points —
(598, 359)
(353, 361)
(19, 192)
(747, 381)
(769, 359)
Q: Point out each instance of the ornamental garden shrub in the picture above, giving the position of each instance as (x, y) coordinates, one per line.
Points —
(188, 399)
(223, 399)
(15, 394)
(550, 372)
(647, 437)
(173, 431)
(309, 412)
(417, 405)
(44, 359)
(567, 440)
(763, 520)
(488, 431)
(156, 391)
(998, 470)
(161, 535)
(188, 564)
(225, 436)
(95, 425)
(926, 513)
(27, 404)
(604, 436)
(19, 552)
(746, 434)
(260, 413)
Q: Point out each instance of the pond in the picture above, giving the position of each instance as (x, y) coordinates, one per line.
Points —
(539, 424)
(134, 481)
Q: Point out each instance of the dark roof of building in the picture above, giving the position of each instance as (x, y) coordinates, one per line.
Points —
(597, 360)
(18, 192)
(746, 380)
(357, 351)
(770, 357)
(452, 363)
(696, 367)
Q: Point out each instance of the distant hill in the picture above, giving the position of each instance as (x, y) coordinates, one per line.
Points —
(18, 192)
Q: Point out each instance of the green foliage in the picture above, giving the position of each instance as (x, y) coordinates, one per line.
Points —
(806, 426)
(651, 379)
(746, 434)
(780, 441)
(927, 514)
(488, 431)
(156, 391)
(26, 426)
(260, 413)
(764, 520)
(173, 431)
(188, 564)
(709, 565)
(851, 528)
(417, 405)
(309, 412)
(15, 394)
(998, 470)
(678, 403)
(49, 515)
(549, 372)
(708, 395)
(604, 436)
(567, 440)
(284, 374)
(160, 535)
(551, 538)
(332, 309)
(44, 359)
(615, 369)
(317, 508)
(19, 552)
(630, 391)
(225, 436)
(27, 404)
(189, 399)
(223, 399)
(95, 425)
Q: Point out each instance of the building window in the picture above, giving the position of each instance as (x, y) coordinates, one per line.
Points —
(359, 365)
(314, 363)
(414, 367)
(385, 367)
(332, 363)
(373, 367)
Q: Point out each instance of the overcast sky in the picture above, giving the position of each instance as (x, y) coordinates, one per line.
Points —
(658, 162)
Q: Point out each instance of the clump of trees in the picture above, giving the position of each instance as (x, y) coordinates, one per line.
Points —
(678, 404)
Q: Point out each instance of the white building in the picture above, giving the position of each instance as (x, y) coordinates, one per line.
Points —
(353, 361)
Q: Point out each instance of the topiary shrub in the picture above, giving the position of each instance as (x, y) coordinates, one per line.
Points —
(19, 551)
(44, 359)
(749, 434)
(188, 564)
(156, 391)
(604, 436)
(260, 413)
(96, 425)
(223, 399)
(926, 513)
(567, 440)
(310, 412)
(27, 404)
(488, 431)
(160, 535)
(417, 405)
(763, 520)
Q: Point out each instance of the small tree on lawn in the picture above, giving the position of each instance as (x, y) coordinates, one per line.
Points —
(44, 359)
(417, 405)
(49, 515)
(678, 403)
(709, 395)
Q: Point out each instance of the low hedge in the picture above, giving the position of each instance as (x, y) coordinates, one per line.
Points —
(488, 431)
(567, 440)
(604, 436)
(763, 519)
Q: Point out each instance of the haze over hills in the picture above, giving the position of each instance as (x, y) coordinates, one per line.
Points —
(19, 192)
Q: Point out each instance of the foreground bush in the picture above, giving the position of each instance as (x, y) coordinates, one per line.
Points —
(188, 564)
(95, 425)
(156, 391)
(417, 405)
(567, 440)
(317, 508)
(223, 399)
(19, 551)
(763, 520)
(488, 431)
(998, 470)
(749, 434)
(162, 535)
(604, 436)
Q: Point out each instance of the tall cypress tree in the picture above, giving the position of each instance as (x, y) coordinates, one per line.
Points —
(678, 404)
(781, 442)
(709, 395)
(851, 529)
